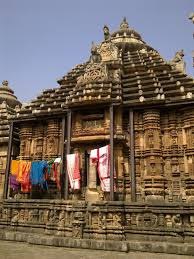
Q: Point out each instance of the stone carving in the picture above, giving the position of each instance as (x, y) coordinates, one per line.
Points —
(106, 32)
(108, 51)
(115, 75)
(15, 216)
(176, 220)
(124, 24)
(178, 61)
(95, 56)
(94, 72)
(78, 223)
(5, 83)
(61, 224)
(178, 56)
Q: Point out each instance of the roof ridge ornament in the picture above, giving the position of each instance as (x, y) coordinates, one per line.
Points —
(5, 83)
(106, 32)
(178, 61)
(124, 24)
(95, 56)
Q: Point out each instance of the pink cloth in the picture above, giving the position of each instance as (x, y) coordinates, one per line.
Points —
(104, 167)
(102, 155)
(73, 171)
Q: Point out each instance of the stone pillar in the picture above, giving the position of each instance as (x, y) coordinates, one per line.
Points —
(92, 193)
(154, 183)
(118, 120)
(106, 121)
(188, 138)
(53, 130)
(78, 124)
(38, 142)
(25, 134)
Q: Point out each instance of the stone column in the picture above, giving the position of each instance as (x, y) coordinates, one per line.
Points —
(188, 138)
(92, 193)
(53, 130)
(25, 134)
(154, 183)
(38, 142)
(118, 120)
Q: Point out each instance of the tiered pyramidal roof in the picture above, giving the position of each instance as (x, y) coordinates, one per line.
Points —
(122, 69)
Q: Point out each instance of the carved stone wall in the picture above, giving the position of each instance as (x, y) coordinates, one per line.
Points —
(101, 220)
(164, 146)
(41, 140)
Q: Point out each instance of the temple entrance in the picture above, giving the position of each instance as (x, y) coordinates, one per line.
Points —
(91, 183)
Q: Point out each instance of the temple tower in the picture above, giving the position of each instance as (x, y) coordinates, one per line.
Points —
(8, 103)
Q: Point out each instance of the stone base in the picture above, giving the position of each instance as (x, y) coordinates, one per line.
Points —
(92, 195)
(120, 226)
(107, 245)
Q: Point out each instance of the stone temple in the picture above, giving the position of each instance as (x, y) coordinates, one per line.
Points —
(126, 96)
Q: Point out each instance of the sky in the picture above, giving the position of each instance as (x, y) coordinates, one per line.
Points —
(41, 40)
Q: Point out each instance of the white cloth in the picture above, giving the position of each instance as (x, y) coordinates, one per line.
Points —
(73, 171)
(57, 160)
(104, 162)
(94, 154)
(102, 155)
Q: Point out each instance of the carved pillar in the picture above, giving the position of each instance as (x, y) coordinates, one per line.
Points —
(92, 175)
(38, 141)
(188, 138)
(78, 124)
(154, 183)
(106, 121)
(118, 120)
(25, 141)
(119, 168)
(52, 139)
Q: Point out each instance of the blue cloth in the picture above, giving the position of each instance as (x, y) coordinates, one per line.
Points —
(37, 173)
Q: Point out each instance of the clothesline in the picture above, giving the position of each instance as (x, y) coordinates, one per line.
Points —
(36, 173)
(28, 174)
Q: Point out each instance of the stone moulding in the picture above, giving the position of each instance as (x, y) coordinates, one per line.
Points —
(101, 223)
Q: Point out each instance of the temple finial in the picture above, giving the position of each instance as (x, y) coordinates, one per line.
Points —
(124, 24)
(5, 83)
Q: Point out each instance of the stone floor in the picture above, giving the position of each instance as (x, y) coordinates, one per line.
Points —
(16, 250)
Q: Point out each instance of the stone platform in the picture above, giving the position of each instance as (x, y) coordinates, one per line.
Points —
(119, 226)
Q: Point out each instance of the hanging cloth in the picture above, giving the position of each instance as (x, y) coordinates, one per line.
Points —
(14, 167)
(25, 184)
(38, 174)
(21, 170)
(102, 156)
(94, 155)
(13, 182)
(54, 170)
(73, 171)
(104, 167)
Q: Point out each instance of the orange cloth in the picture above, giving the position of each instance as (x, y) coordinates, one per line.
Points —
(21, 169)
(14, 167)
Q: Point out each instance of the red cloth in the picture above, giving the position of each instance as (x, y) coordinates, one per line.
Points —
(25, 182)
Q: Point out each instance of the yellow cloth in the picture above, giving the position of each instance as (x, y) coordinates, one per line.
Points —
(14, 166)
